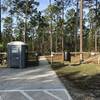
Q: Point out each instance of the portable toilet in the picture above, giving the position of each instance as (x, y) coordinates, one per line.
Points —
(17, 54)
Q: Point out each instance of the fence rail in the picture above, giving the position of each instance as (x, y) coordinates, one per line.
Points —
(89, 57)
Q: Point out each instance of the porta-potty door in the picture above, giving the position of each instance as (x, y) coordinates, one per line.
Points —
(15, 56)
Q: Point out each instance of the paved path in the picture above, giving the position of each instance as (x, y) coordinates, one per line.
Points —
(34, 83)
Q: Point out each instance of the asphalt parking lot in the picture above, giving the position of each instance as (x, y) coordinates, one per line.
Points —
(34, 83)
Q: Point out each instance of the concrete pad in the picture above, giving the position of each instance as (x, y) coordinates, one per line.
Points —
(40, 95)
(61, 94)
(39, 79)
(12, 96)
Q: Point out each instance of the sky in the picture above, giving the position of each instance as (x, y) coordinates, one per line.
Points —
(43, 4)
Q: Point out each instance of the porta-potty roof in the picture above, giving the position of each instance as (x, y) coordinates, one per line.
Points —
(16, 43)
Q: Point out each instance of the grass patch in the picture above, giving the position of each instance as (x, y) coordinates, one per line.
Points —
(85, 77)
(81, 70)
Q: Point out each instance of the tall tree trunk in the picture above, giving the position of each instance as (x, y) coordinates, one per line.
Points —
(0, 24)
(96, 48)
(62, 31)
(43, 49)
(25, 24)
(76, 28)
(56, 42)
(51, 33)
(92, 48)
(11, 22)
(81, 31)
(33, 42)
(57, 35)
